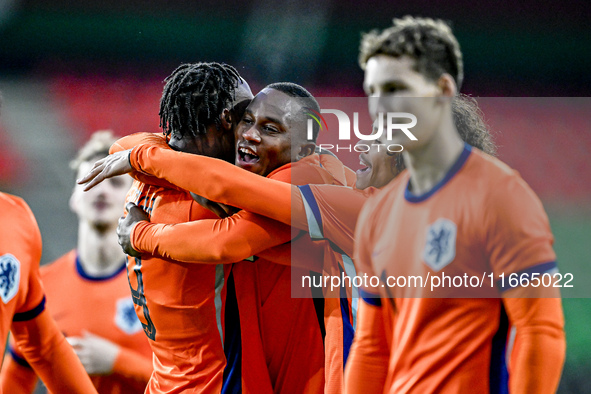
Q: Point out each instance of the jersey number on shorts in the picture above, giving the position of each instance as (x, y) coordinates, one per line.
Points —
(140, 300)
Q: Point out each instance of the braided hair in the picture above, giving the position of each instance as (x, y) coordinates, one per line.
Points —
(194, 97)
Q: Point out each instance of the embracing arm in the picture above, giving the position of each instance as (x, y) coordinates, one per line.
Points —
(209, 241)
(218, 180)
(336, 207)
(125, 143)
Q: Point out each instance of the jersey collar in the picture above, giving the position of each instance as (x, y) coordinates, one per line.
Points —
(410, 197)
(88, 276)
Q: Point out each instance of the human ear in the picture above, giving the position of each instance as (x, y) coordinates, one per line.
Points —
(447, 86)
(306, 150)
(226, 119)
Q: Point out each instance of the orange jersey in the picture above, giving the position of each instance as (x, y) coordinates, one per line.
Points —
(331, 212)
(480, 218)
(228, 184)
(101, 306)
(327, 212)
(180, 306)
(338, 314)
(20, 252)
(285, 325)
(22, 305)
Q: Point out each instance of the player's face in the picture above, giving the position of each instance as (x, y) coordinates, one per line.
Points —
(264, 135)
(378, 166)
(393, 85)
(103, 205)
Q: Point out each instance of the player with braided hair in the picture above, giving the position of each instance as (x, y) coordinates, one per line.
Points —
(195, 100)
(194, 94)
(181, 306)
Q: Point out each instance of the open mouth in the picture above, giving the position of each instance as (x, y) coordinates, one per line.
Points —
(365, 167)
(247, 155)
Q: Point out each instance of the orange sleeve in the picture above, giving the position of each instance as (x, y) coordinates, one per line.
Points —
(344, 175)
(129, 141)
(32, 246)
(540, 344)
(218, 180)
(301, 253)
(132, 140)
(518, 235)
(134, 367)
(17, 376)
(50, 355)
(367, 365)
(211, 241)
(362, 246)
(331, 213)
(225, 183)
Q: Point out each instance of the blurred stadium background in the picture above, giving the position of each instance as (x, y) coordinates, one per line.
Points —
(69, 68)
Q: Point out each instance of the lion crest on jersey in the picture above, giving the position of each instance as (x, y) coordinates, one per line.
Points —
(125, 316)
(440, 245)
(10, 276)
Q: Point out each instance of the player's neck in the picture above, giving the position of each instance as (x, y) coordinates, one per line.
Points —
(99, 251)
(429, 164)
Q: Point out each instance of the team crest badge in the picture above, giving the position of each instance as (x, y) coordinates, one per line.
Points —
(126, 318)
(10, 276)
(440, 246)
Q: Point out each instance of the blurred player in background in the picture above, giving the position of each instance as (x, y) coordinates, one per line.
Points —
(456, 209)
(88, 294)
(22, 305)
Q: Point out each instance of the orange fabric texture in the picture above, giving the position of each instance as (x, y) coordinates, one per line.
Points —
(367, 367)
(180, 305)
(223, 182)
(16, 378)
(22, 307)
(540, 344)
(456, 344)
(153, 160)
(101, 306)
